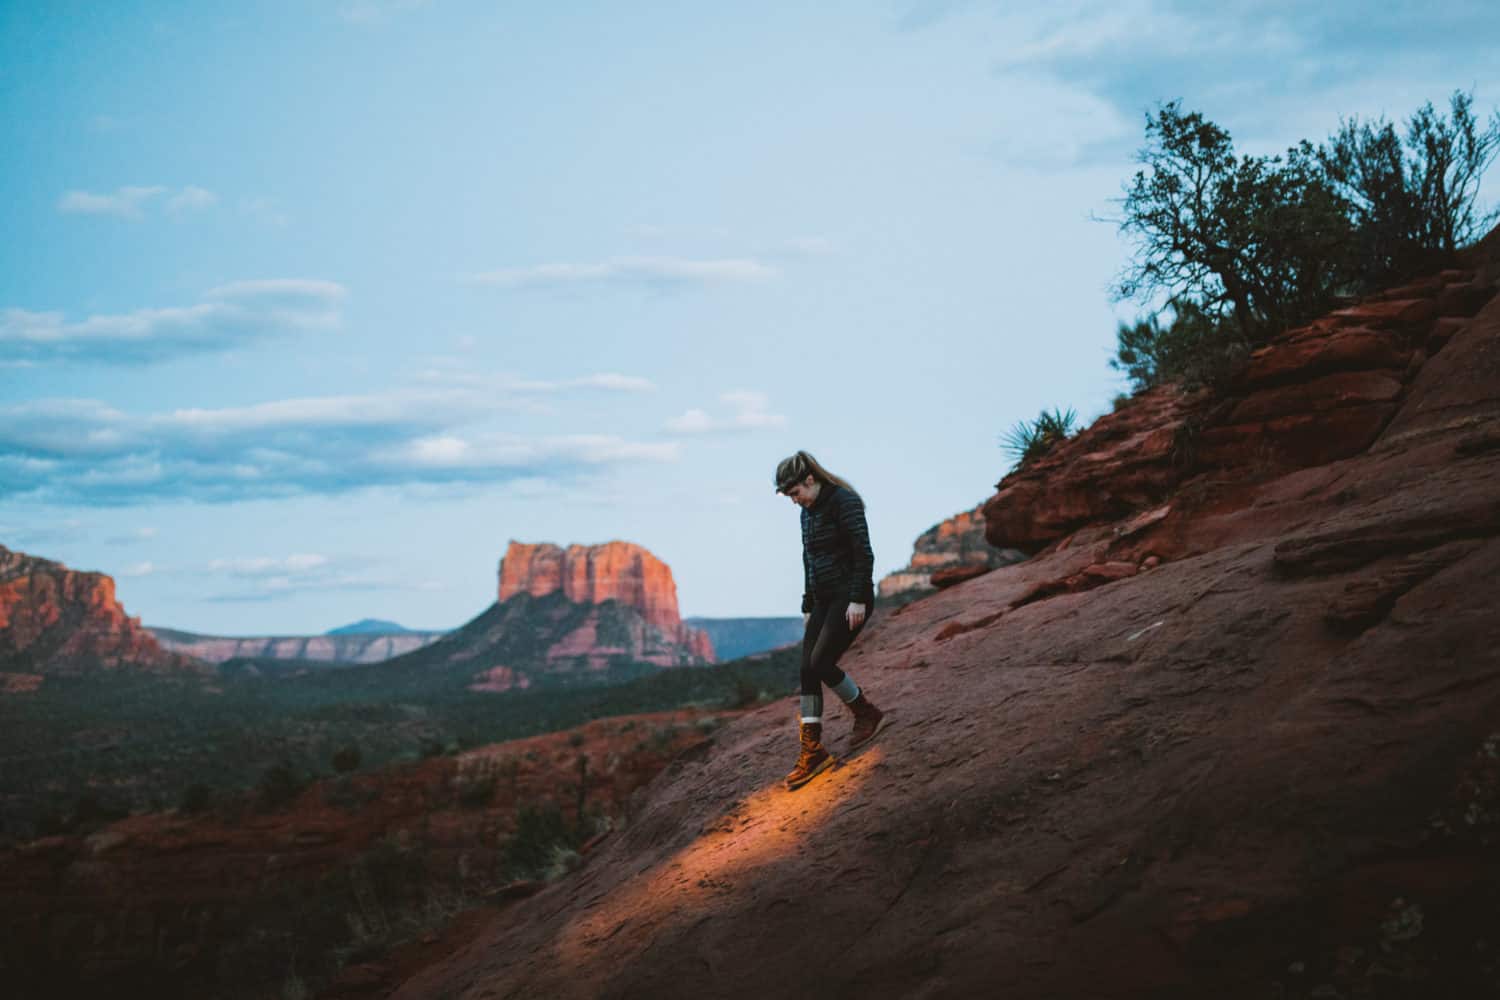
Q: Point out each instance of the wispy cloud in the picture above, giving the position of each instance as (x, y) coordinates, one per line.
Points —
(35, 538)
(266, 212)
(86, 452)
(449, 372)
(139, 569)
(229, 316)
(749, 410)
(136, 537)
(191, 199)
(656, 272)
(260, 566)
(124, 203)
(1136, 53)
(237, 579)
(1080, 75)
(131, 202)
(811, 246)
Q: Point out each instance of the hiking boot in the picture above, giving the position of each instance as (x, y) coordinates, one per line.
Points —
(812, 760)
(867, 721)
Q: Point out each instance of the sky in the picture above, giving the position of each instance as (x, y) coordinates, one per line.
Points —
(308, 308)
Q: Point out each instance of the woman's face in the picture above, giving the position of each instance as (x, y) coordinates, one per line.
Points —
(804, 493)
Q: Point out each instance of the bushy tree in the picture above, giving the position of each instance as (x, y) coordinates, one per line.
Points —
(1256, 241)
(1412, 203)
(1194, 349)
(1243, 247)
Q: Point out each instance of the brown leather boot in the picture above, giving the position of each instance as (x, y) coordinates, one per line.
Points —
(812, 760)
(867, 721)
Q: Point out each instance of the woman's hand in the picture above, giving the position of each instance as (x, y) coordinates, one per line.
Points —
(855, 615)
(806, 617)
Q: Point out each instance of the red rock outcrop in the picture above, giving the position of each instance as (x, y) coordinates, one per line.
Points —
(1125, 461)
(945, 554)
(1311, 396)
(592, 574)
(54, 620)
(1266, 765)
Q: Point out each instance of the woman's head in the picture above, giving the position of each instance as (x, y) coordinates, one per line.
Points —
(802, 478)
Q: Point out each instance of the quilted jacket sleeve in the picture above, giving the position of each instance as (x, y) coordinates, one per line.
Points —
(807, 570)
(852, 520)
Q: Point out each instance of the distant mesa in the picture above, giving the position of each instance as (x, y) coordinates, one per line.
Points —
(56, 621)
(371, 626)
(565, 615)
(592, 574)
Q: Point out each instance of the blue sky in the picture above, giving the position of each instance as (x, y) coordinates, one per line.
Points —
(307, 308)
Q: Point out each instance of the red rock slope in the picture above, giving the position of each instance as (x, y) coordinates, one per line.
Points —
(54, 620)
(1269, 765)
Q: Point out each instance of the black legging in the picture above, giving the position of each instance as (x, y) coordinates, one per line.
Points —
(824, 641)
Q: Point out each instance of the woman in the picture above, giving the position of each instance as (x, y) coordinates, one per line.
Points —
(839, 590)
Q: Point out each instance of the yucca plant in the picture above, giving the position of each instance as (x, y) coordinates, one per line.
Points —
(1030, 440)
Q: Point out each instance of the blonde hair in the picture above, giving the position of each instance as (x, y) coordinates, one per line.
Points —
(790, 471)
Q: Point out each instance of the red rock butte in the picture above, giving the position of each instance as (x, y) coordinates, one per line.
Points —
(593, 574)
(56, 620)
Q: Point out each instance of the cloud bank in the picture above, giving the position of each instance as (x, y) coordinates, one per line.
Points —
(230, 316)
(83, 451)
(749, 411)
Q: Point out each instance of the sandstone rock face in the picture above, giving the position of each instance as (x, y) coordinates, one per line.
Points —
(1125, 461)
(614, 571)
(1313, 395)
(54, 620)
(593, 574)
(947, 553)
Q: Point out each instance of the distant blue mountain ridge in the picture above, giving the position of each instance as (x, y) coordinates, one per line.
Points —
(366, 626)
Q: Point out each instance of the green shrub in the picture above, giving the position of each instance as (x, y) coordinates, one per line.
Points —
(539, 830)
(476, 792)
(745, 694)
(1028, 441)
(91, 810)
(1195, 349)
(279, 786)
(346, 759)
(197, 798)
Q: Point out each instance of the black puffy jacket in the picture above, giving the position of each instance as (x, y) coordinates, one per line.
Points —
(838, 565)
